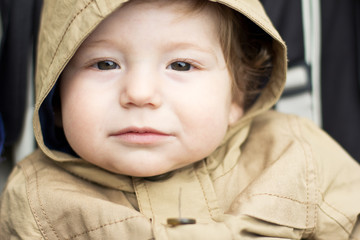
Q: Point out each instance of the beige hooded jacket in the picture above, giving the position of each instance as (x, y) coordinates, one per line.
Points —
(274, 176)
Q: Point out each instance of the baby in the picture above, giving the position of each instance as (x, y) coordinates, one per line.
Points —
(153, 121)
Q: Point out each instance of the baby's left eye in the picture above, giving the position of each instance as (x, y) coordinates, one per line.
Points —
(180, 66)
(106, 65)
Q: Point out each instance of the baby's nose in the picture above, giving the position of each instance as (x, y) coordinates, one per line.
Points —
(141, 89)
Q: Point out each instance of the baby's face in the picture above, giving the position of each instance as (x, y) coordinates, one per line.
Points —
(148, 91)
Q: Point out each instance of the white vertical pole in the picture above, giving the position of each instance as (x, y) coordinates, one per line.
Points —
(312, 42)
(26, 144)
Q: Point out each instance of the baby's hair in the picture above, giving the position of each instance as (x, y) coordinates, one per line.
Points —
(248, 52)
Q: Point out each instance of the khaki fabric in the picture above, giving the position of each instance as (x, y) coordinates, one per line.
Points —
(274, 176)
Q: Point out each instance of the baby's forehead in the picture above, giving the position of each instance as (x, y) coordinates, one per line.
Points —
(186, 7)
(120, 30)
(185, 10)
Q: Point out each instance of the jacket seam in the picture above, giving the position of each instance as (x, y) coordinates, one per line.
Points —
(307, 170)
(280, 196)
(311, 234)
(67, 28)
(148, 196)
(303, 143)
(103, 226)
(31, 204)
(323, 200)
(204, 194)
(40, 203)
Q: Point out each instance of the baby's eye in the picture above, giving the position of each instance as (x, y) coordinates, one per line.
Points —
(180, 66)
(106, 65)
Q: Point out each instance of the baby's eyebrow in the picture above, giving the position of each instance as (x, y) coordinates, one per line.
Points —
(94, 42)
(170, 45)
(188, 45)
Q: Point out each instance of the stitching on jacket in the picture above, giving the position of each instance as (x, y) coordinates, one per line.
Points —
(315, 178)
(102, 226)
(280, 196)
(31, 204)
(48, 90)
(147, 194)
(204, 194)
(68, 26)
(306, 162)
(41, 205)
(302, 141)
(307, 175)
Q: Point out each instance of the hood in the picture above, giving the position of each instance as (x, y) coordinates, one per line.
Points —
(65, 25)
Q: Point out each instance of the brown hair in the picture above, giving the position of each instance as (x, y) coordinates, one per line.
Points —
(248, 52)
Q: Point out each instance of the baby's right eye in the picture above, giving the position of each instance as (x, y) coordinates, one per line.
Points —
(180, 66)
(106, 65)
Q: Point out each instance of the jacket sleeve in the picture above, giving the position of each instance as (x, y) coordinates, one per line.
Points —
(338, 187)
(16, 218)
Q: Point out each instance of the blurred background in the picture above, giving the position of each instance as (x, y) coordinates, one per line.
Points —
(323, 83)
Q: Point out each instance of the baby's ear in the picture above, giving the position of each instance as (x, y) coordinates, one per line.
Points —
(235, 113)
